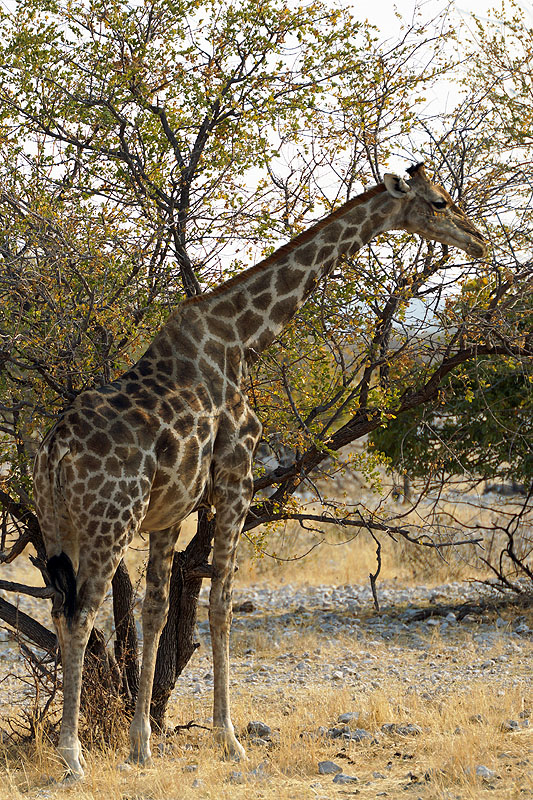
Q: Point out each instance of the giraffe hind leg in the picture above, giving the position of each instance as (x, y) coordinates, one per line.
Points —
(154, 614)
(74, 616)
(73, 637)
(63, 580)
(231, 506)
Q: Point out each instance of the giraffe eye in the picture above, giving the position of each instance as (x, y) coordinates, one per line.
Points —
(440, 205)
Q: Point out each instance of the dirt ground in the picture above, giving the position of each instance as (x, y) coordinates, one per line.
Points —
(436, 687)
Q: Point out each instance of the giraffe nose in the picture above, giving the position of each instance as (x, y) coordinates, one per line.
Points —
(478, 248)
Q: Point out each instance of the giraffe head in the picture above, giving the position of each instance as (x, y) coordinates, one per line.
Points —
(430, 211)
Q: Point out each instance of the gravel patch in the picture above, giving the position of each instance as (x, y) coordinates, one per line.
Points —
(349, 635)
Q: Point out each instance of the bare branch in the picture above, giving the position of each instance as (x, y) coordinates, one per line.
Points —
(27, 626)
(34, 591)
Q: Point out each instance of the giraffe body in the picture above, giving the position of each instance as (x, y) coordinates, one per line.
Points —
(176, 430)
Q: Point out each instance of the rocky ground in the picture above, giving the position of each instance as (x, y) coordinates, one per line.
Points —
(354, 701)
(429, 645)
(349, 630)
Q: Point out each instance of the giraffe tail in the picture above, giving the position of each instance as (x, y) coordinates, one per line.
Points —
(59, 566)
(63, 580)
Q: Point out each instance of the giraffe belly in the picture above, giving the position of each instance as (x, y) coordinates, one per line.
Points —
(175, 494)
(159, 517)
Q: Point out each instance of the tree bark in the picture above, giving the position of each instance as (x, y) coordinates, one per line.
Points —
(126, 643)
(177, 643)
(28, 627)
(407, 490)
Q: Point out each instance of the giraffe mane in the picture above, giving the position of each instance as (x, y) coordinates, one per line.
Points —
(289, 246)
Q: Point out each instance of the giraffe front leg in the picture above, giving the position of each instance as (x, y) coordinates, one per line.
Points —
(73, 638)
(231, 504)
(155, 609)
(220, 622)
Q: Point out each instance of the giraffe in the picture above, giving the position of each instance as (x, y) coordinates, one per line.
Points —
(176, 431)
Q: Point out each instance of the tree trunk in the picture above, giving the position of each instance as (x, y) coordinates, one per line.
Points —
(177, 643)
(126, 644)
(407, 490)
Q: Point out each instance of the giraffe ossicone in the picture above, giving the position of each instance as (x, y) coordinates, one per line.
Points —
(176, 431)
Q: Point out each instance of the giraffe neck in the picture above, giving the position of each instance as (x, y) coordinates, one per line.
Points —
(214, 334)
(252, 308)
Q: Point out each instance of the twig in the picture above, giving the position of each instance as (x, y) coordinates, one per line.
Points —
(37, 664)
(357, 523)
(188, 726)
(292, 403)
(279, 558)
(374, 576)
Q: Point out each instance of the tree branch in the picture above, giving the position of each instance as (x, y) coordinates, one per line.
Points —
(27, 626)
(33, 591)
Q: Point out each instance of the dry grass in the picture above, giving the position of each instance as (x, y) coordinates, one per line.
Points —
(440, 763)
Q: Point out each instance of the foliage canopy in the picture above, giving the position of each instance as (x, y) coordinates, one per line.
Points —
(152, 149)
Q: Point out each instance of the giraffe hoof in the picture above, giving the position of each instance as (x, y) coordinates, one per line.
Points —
(70, 778)
(138, 760)
(234, 751)
(73, 761)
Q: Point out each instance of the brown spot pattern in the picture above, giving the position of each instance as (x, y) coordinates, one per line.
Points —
(283, 310)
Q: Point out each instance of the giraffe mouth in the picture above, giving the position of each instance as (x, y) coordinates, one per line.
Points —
(477, 249)
(476, 244)
(469, 240)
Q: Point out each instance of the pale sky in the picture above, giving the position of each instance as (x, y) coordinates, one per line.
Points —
(381, 12)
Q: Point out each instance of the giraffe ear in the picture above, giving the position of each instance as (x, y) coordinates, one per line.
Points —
(396, 186)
